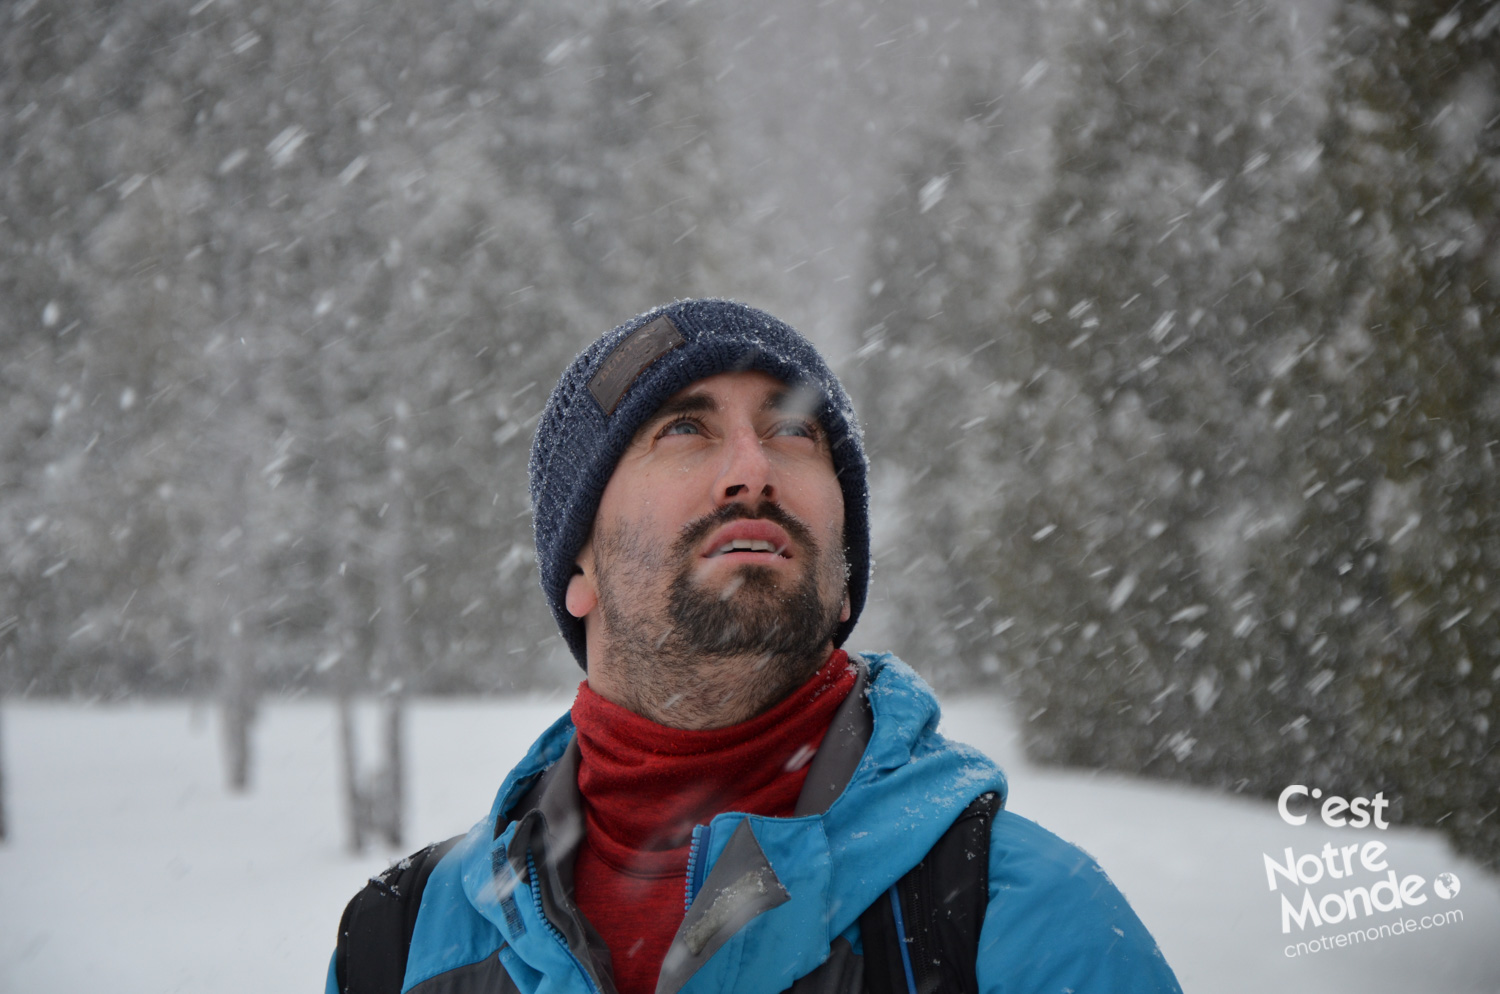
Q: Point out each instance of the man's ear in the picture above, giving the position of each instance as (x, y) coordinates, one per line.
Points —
(583, 596)
(846, 610)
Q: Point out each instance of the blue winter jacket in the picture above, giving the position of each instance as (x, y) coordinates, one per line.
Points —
(773, 902)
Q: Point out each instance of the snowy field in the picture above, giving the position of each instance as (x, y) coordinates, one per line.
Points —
(129, 869)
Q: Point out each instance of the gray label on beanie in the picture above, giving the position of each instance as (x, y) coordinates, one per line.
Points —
(630, 358)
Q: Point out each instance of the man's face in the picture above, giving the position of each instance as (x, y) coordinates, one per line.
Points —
(720, 534)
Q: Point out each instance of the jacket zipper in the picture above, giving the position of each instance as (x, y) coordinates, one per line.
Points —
(697, 862)
(553, 930)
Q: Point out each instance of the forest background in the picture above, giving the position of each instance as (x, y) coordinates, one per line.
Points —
(1173, 325)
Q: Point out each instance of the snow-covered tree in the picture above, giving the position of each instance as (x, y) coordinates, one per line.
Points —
(1255, 545)
(290, 287)
(935, 366)
(1144, 465)
(1393, 399)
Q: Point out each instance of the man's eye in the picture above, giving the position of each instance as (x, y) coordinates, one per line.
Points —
(799, 429)
(684, 426)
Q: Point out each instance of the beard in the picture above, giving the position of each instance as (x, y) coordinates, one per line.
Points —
(752, 614)
(663, 625)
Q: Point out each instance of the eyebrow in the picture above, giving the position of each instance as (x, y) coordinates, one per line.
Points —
(775, 401)
(694, 403)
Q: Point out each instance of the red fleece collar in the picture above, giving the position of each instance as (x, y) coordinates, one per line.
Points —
(645, 785)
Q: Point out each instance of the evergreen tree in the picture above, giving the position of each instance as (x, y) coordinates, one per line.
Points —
(1255, 547)
(1145, 467)
(1395, 398)
(290, 286)
(935, 362)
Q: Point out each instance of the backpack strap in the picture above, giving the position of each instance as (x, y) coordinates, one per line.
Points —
(375, 932)
(922, 935)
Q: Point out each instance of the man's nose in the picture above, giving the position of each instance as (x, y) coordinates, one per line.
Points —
(747, 473)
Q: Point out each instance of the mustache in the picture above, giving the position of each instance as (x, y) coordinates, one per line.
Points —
(696, 531)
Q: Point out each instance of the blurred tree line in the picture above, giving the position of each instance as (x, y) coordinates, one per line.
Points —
(287, 288)
(1181, 406)
(1212, 483)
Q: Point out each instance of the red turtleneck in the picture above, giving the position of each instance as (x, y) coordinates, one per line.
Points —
(645, 786)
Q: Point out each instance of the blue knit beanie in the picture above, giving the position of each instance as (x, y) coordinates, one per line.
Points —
(617, 383)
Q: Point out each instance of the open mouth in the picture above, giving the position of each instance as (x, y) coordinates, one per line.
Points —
(750, 539)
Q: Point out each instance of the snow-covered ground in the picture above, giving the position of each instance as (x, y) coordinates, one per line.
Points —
(129, 869)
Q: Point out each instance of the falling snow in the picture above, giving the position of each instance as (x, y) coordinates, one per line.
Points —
(1173, 328)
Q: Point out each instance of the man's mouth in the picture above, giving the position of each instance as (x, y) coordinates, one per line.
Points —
(751, 537)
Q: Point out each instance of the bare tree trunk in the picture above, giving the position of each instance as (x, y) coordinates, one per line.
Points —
(393, 652)
(236, 655)
(237, 702)
(339, 509)
(2, 772)
(348, 681)
(356, 811)
(374, 803)
(234, 417)
(390, 792)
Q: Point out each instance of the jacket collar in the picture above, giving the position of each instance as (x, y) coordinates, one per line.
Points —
(877, 796)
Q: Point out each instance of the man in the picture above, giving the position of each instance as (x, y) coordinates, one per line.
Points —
(733, 801)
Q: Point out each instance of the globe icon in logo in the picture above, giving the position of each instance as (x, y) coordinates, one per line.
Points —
(1446, 886)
